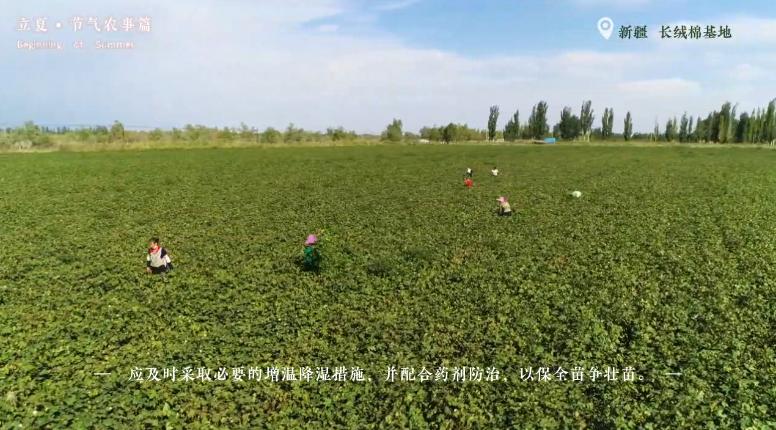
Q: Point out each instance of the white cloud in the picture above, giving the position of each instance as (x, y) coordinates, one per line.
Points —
(660, 88)
(396, 5)
(328, 28)
(750, 30)
(613, 3)
(748, 72)
(222, 63)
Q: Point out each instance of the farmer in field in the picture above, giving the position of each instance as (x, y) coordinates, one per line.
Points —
(311, 259)
(469, 173)
(468, 183)
(158, 260)
(504, 209)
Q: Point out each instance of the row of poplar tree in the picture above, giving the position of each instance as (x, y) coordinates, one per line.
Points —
(720, 126)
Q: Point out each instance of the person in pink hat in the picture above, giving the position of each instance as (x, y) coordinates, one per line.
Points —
(504, 209)
(311, 260)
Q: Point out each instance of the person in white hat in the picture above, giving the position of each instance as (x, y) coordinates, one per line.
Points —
(504, 209)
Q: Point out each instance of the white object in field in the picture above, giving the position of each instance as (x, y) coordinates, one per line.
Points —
(494, 172)
(576, 194)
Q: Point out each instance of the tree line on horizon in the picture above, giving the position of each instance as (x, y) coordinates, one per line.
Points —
(719, 126)
(31, 135)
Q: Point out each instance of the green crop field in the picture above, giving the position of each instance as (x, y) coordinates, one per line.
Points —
(666, 264)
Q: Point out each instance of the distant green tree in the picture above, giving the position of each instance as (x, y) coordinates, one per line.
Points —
(586, 118)
(393, 132)
(270, 135)
(512, 129)
(246, 133)
(607, 123)
(726, 123)
(627, 131)
(690, 131)
(339, 133)
(702, 129)
(493, 122)
(684, 135)
(741, 128)
(117, 131)
(569, 126)
(195, 132)
(408, 135)
(433, 134)
(83, 134)
(712, 130)
(453, 133)
(537, 122)
(450, 133)
(156, 135)
(29, 135)
(293, 134)
(670, 131)
(769, 123)
(226, 135)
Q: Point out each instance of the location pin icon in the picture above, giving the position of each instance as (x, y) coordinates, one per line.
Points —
(605, 27)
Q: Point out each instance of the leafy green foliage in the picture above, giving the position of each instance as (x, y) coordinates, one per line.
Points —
(27, 136)
(117, 131)
(453, 133)
(586, 118)
(512, 129)
(493, 122)
(393, 132)
(627, 132)
(607, 123)
(537, 127)
(665, 264)
(569, 127)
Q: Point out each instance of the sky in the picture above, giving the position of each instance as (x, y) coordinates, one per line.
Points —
(361, 63)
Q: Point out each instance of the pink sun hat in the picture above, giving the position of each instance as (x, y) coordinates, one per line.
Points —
(311, 240)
